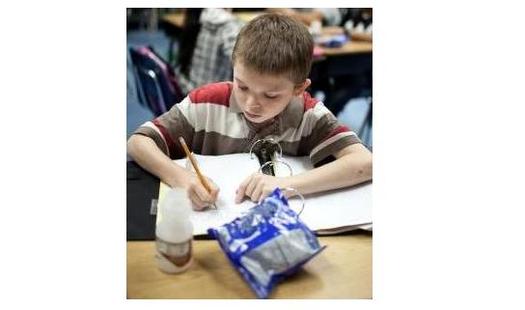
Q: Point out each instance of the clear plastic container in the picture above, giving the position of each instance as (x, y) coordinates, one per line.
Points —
(174, 232)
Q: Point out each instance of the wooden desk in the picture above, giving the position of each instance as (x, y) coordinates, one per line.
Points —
(177, 19)
(351, 47)
(354, 46)
(342, 270)
(246, 16)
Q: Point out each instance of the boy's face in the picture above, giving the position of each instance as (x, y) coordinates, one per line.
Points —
(261, 97)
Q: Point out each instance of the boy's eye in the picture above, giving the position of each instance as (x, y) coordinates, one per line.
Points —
(243, 88)
(270, 97)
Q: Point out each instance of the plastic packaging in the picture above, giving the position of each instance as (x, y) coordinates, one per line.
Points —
(174, 232)
(267, 244)
(333, 41)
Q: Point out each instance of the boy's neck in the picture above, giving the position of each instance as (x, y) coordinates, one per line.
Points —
(260, 126)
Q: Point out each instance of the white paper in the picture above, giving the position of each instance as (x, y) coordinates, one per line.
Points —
(344, 209)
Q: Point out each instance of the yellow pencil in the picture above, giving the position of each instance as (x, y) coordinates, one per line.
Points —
(195, 166)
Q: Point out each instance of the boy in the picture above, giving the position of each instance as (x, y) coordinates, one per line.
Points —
(271, 62)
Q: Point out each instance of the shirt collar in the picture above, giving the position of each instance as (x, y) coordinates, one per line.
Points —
(290, 117)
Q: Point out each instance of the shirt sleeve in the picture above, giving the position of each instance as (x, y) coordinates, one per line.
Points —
(166, 129)
(328, 135)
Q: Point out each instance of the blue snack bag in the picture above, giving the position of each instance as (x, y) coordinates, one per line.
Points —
(267, 244)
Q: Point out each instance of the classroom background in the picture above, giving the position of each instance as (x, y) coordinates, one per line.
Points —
(341, 72)
(438, 75)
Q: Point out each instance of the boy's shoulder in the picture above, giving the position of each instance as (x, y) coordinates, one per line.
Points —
(216, 93)
(309, 102)
(303, 109)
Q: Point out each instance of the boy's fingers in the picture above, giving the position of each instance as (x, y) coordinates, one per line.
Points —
(264, 194)
(196, 202)
(240, 194)
(250, 187)
(214, 193)
(214, 190)
(202, 193)
(257, 193)
(241, 190)
(212, 184)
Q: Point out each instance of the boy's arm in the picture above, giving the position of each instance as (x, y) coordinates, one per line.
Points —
(353, 165)
(148, 155)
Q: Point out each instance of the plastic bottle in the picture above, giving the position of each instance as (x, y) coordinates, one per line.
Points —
(174, 232)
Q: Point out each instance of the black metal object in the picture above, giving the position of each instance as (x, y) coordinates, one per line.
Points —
(265, 152)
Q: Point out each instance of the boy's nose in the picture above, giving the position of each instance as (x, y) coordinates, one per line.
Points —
(252, 104)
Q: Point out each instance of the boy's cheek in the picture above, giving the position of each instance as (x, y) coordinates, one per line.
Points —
(240, 102)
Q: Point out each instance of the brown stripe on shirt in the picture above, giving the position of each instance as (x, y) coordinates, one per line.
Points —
(322, 123)
(176, 126)
(321, 131)
(151, 133)
(333, 148)
(213, 143)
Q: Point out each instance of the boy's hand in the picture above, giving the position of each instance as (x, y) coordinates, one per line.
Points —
(198, 194)
(257, 186)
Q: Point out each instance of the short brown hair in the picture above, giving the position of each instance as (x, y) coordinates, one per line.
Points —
(275, 44)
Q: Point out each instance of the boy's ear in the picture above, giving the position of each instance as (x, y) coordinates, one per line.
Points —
(300, 88)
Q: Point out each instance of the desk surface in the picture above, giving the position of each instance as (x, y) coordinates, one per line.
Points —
(177, 19)
(342, 270)
(350, 47)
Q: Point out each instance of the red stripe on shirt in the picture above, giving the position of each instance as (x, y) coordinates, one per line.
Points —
(217, 93)
(309, 102)
(166, 136)
(339, 129)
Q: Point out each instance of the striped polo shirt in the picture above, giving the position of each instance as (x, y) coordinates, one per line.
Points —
(212, 123)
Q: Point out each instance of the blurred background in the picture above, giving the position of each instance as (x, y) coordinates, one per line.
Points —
(173, 50)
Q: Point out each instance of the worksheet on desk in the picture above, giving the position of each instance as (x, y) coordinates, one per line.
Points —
(333, 209)
(227, 171)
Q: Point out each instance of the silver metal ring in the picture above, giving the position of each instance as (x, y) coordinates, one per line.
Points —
(273, 164)
(272, 140)
(296, 193)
